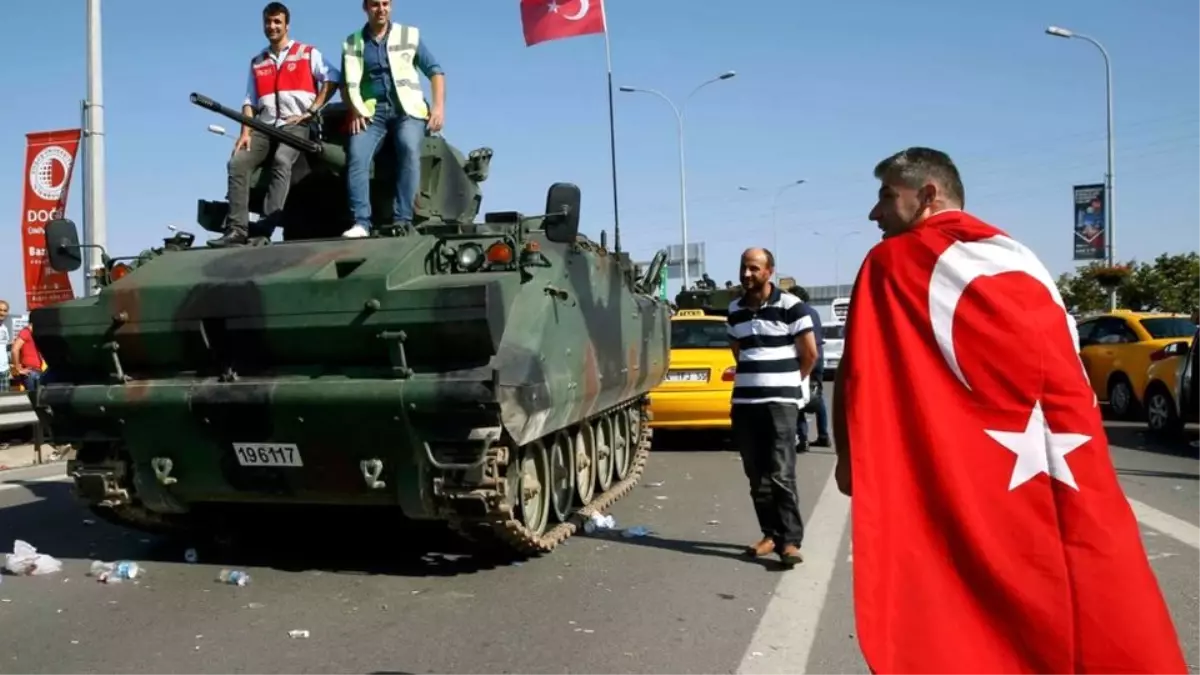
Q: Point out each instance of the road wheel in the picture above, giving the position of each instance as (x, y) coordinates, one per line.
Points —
(562, 476)
(1160, 412)
(1120, 398)
(621, 450)
(584, 446)
(602, 432)
(533, 487)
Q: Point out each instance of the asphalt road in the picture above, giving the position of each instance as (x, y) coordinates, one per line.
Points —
(377, 600)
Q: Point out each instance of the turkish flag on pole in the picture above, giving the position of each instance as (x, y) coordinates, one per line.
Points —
(546, 20)
(990, 533)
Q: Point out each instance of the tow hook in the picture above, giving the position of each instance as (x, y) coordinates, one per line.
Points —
(162, 470)
(371, 470)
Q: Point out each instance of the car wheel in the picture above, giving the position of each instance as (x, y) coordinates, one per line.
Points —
(1120, 398)
(1160, 412)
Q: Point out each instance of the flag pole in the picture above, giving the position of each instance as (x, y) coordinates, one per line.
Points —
(612, 130)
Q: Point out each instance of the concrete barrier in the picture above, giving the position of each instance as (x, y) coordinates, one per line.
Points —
(16, 411)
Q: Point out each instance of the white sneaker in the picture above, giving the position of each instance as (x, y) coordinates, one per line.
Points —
(356, 232)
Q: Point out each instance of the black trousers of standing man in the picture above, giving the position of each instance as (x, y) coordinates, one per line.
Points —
(765, 434)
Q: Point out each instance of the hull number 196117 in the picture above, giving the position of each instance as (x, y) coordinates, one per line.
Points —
(267, 454)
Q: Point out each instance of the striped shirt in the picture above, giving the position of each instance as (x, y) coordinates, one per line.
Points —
(768, 362)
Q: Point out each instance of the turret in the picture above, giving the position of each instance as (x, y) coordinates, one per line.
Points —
(317, 205)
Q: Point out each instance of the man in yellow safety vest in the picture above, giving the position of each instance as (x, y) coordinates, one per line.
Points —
(382, 91)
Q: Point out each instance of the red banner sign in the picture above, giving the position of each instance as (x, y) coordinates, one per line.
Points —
(49, 160)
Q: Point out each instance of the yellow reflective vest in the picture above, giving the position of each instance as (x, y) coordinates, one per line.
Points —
(402, 44)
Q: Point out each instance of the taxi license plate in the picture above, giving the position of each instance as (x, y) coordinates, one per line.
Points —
(687, 376)
(267, 454)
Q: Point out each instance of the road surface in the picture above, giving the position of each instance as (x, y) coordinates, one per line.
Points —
(679, 600)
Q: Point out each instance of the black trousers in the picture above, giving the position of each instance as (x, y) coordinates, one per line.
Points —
(765, 434)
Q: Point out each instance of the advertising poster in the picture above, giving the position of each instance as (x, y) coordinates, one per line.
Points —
(49, 161)
(1090, 239)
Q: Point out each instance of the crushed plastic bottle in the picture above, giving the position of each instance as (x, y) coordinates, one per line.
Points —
(635, 531)
(114, 572)
(599, 521)
(233, 577)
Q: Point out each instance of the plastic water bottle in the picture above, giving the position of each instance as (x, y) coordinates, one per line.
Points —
(115, 572)
(234, 577)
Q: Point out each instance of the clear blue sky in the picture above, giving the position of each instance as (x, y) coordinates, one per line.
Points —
(823, 91)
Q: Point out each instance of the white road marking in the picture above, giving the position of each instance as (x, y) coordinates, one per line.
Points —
(1166, 523)
(785, 635)
(43, 479)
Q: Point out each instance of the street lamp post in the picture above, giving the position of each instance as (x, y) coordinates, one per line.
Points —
(774, 218)
(682, 173)
(1109, 178)
(95, 228)
(837, 243)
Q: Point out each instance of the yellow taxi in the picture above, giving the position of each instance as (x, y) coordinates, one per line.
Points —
(1116, 349)
(1170, 398)
(699, 382)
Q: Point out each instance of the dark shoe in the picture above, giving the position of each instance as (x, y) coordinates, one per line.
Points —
(762, 548)
(230, 238)
(801, 445)
(790, 555)
(401, 228)
(821, 442)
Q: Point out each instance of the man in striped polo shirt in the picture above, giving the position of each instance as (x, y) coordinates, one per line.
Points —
(773, 342)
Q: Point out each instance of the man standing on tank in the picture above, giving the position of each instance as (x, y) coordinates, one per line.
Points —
(382, 90)
(282, 91)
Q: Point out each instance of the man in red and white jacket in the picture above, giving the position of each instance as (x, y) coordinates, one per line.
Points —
(289, 81)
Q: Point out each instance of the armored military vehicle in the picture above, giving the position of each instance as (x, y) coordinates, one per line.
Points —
(489, 375)
(714, 301)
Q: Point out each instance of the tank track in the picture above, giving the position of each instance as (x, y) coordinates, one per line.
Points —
(501, 531)
(498, 531)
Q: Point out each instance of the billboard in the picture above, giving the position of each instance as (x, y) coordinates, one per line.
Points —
(49, 160)
(1090, 231)
(696, 261)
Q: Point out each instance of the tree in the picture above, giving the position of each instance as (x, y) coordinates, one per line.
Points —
(1170, 284)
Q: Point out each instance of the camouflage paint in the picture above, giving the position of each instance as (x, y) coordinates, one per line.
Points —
(297, 342)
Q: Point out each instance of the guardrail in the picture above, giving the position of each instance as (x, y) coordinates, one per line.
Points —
(16, 411)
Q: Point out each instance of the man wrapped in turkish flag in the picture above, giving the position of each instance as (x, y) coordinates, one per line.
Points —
(990, 533)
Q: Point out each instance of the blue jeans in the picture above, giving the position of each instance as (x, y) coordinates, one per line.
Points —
(408, 134)
(31, 380)
(822, 413)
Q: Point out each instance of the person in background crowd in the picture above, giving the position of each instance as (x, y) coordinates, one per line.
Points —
(773, 344)
(816, 404)
(26, 359)
(4, 360)
(289, 82)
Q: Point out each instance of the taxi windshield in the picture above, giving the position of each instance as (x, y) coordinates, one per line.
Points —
(699, 335)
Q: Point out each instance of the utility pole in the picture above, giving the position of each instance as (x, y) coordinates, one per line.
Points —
(95, 228)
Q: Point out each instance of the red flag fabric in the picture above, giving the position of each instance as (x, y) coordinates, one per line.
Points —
(546, 20)
(990, 533)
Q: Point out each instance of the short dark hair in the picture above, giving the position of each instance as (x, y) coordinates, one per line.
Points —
(274, 8)
(916, 166)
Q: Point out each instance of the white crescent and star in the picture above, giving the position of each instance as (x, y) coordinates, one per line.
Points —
(1038, 449)
(584, 7)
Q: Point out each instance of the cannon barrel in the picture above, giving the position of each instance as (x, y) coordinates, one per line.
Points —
(301, 144)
